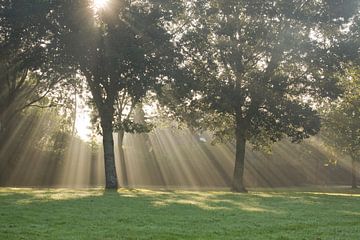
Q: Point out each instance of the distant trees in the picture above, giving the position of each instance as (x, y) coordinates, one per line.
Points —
(342, 121)
(131, 120)
(258, 67)
(34, 136)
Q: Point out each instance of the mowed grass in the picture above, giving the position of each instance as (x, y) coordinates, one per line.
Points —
(152, 214)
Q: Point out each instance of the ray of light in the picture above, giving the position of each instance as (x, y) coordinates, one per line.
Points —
(100, 4)
(173, 159)
(76, 166)
(29, 166)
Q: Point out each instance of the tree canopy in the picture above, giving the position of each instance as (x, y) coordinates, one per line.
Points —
(259, 67)
(123, 51)
(342, 120)
(250, 71)
(27, 74)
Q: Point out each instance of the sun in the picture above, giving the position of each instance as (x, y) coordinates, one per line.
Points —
(100, 4)
(83, 124)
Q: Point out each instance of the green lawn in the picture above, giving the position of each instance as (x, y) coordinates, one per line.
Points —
(151, 214)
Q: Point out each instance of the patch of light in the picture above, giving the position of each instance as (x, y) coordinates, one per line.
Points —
(100, 4)
(83, 121)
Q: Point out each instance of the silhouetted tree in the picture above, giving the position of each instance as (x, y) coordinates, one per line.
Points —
(123, 48)
(26, 75)
(259, 67)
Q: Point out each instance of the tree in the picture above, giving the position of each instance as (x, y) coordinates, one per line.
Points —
(342, 121)
(259, 67)
(120, 49)
(130, 121)
(36, 136)
(341, 118)
(25, 73)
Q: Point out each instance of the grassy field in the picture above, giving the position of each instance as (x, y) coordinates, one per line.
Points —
(151, 214)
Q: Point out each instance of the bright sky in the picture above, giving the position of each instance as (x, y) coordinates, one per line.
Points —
(83, 124)
(100, 4)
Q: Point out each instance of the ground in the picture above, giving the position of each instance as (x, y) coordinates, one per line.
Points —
(153, 214)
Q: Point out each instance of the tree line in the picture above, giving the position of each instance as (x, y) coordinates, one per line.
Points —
(251, 72)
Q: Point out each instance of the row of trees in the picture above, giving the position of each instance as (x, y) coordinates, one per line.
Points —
(249, 71)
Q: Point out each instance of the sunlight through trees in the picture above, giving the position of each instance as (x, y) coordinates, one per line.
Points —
(196, 94)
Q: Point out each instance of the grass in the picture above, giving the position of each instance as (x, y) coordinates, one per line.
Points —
(152, 214)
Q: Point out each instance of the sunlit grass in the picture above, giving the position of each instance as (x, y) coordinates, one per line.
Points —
(155, 214)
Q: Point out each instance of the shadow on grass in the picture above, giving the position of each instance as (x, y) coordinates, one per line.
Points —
(152, 214)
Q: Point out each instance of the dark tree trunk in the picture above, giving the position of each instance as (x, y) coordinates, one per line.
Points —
(106, 111)
(122, 158)
(2, 131)
(74, 113)
(109, 156)
(238, 178)
(353, 174)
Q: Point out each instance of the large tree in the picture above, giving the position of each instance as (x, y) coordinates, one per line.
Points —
(27, 79)
(258, 66)
(121, 49)
(26, 69)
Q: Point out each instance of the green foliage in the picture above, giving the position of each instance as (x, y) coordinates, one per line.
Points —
(34, 133)
(60, 142)
(257, 66)
(27, 74)
(123, 51)
(342, 118)
(130, 126)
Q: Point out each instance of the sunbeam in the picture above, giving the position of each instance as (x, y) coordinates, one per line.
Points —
(167, 158)
(100, 4)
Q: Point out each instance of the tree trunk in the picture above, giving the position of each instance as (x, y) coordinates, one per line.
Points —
(238, 179)
(353, 174)
(122, 158)
(74, 113)
(2, 130)
(109, 156)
